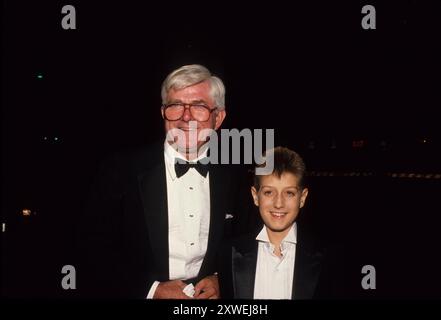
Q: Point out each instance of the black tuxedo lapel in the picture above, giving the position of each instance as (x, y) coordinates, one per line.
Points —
(153, 192)
(307, 267)
(244, 262)
(219, 187)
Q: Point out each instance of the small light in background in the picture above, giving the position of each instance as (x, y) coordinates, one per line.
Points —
(54, 139)
(3, 227)
(39, 76)
(26, 212)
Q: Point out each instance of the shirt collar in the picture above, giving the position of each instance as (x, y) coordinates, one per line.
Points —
(171, 154)
(291, 237)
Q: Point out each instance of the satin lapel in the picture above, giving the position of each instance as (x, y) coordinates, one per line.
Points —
(219, 184)
(153, 192)
(307, 268)
(244, 272)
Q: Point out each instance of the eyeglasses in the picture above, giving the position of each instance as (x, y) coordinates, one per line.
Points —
(175, 111)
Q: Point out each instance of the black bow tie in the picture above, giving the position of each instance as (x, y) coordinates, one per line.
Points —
(181, 168)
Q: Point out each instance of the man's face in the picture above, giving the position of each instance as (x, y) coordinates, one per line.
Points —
(196, 94)
(279, 201)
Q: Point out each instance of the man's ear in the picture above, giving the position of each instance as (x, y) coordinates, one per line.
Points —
(303, 197)
(254, 194)
(220, 116)
(162, 112)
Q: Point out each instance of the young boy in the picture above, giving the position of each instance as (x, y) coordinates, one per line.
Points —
(282, 262)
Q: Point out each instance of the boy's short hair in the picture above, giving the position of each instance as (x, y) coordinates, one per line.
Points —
(285, 160)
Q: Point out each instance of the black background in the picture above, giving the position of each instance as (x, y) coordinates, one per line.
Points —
(307, 70)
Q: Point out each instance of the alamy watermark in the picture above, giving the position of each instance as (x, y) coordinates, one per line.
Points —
(254, 144)
(369, 280)
(69, 280)
(69, 20)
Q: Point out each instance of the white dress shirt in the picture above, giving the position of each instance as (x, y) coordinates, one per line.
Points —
(188, 200)
(274, 275)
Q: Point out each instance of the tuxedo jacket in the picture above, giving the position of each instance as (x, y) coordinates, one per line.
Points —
(123, 238)
(317, 273)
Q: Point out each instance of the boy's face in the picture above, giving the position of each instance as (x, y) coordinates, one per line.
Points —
(279, 201)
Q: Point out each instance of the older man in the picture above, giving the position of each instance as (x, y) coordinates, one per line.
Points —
(156, 217)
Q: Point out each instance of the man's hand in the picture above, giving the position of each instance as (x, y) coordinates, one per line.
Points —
(170, 290)
(207, 288)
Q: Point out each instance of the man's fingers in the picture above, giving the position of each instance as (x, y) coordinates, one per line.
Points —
(200, 286)
(197, 292)
(171, 290)
(206, 294)
(207, 288)
(181, 284)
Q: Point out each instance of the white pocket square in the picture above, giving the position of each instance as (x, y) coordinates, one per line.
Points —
(228, 216)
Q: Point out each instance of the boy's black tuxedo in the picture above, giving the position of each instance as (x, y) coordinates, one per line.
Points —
(317, 270)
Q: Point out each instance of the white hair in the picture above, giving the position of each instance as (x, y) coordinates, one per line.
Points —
(190, 75)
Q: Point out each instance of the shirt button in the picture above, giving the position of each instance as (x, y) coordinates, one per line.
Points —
(192, 244)
(191, 216)
(191, 188)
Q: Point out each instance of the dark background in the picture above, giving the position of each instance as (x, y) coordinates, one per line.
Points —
(349, 100)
